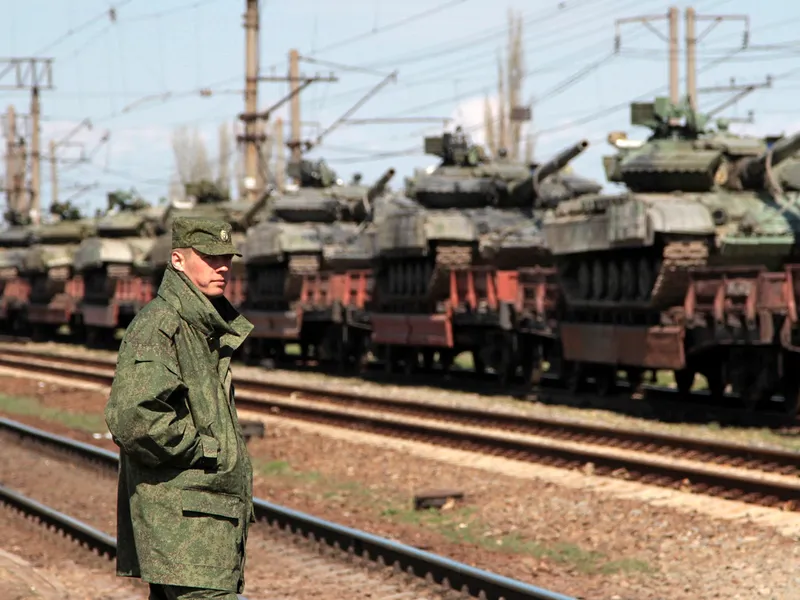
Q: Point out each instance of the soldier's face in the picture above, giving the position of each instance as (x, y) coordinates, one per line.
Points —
(209, 273)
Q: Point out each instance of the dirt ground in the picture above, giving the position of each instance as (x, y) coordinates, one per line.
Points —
(585, 544)
(276, 565)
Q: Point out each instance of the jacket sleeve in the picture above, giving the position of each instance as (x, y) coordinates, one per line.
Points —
(147, 411)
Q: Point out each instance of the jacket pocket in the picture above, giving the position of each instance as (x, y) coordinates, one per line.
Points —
(212, 527)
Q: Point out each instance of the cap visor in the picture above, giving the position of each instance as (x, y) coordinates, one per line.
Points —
(217, 249)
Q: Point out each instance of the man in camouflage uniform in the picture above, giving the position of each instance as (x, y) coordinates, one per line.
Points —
(185, 492)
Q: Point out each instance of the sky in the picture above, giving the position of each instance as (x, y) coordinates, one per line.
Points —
(136, 77)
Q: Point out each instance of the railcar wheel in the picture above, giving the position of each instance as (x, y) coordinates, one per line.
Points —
(477, 363)
(684, 380)
(791, 395)
(575, 377)
(532, 367)
(605, 381)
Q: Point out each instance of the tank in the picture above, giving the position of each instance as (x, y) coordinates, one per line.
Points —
(121, 246)
(206, 200)
(696, 196)
(14, 243)
(48, 263)
(314, 226)
(470, 210)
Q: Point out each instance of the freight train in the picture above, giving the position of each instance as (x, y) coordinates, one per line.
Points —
(527, 269)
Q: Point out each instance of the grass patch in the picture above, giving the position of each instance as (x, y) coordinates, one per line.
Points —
(31, 407)
(460, 525)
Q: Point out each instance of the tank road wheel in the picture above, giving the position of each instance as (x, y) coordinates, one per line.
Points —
(716, 383)
(427, 359)
(645, 277)
(613, 283)
(628, 285)
(635, 379)
(684, 379)
(598, 279)
(411, 280)
(584, 280)
(791, 394)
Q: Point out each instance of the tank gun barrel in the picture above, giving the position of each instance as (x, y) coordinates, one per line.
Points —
(248, 216)
(560, 160)
(754, 168)
(379, 186)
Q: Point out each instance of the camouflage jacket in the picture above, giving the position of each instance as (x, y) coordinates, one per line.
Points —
(185, 482)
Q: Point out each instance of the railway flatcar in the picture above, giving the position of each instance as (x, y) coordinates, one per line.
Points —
(462, 268)
(294, 256)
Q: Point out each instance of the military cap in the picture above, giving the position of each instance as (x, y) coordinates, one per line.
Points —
(208, 236)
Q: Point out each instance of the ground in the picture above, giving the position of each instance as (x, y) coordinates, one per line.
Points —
(579, 542)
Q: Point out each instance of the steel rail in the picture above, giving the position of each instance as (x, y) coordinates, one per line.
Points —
(647, 468)
(86, 535)
(657, 400)
(440, 570)
(249, 391)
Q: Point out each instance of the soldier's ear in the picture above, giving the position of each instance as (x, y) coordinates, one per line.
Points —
(178, 259)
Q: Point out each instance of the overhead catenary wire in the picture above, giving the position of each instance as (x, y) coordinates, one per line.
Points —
(477, 59)
(105, 14)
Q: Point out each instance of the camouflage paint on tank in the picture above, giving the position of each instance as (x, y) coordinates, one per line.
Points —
(486, 210)
(318, 224)
(695, 196)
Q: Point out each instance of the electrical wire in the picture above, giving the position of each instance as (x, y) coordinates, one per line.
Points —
(472, 62)
(95, 19)
(390, 26)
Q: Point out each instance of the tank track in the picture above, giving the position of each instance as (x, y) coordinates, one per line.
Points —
(670, 264)
(672, 281)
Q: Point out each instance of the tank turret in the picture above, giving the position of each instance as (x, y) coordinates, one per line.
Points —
(752, 170)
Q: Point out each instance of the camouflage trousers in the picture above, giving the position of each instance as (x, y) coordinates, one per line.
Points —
(174, 592)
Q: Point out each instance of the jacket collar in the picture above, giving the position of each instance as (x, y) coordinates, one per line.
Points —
(218, 319)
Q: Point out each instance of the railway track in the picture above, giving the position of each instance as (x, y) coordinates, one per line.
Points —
(424, 574)
(767, 477)
(657, 402)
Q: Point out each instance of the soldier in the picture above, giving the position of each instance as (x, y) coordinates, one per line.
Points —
(185, 495)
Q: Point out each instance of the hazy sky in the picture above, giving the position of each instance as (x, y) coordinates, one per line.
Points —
(167, 50)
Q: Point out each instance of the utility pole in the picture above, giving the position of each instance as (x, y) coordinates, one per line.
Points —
(280, 154)
(691, 59)
(53, 174)
(297, 83)
(294, 86)
(34, 74)
(14, 175)
(254, 136)
(36, 158)
(691, 48)
(250, 138)
(646, 20)
(692, 41)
